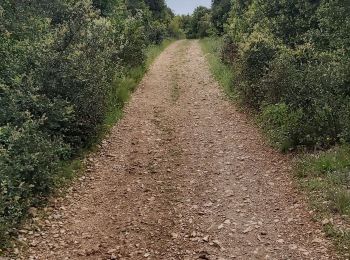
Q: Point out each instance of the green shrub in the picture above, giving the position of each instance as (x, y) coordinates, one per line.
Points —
(220, 13)
(333, 30)
(312, 84)
(282, 125)
(294, 53)
(133, 51)
(30, 150)
(157, 32)
(80, 69)
(28, 161)
(254, 58)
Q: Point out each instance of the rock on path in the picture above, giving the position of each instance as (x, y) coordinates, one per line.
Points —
(183, 175)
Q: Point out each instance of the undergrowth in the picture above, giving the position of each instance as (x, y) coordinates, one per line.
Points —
(325, 176)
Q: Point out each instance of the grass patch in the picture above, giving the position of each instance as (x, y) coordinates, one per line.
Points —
(223, 73)
(325, 176)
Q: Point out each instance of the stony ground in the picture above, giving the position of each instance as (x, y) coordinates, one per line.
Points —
(184, 175)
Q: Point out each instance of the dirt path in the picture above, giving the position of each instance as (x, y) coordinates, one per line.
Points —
(183, 175)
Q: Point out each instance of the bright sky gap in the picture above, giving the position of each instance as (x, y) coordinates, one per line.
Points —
(186, 6)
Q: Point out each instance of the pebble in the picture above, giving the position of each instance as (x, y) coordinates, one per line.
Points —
(247, 230)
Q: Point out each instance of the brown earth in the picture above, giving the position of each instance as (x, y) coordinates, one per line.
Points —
(184, 175)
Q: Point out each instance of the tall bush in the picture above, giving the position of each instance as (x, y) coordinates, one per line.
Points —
(294, 53)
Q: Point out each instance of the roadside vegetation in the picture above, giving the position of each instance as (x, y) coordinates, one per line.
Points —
(223, 73)
(325, 177)
(66, 70)
(289, 63)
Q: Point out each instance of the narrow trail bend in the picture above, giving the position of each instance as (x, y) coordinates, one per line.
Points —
(183, 175)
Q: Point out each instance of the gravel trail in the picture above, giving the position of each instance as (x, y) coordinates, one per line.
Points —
(184, 175)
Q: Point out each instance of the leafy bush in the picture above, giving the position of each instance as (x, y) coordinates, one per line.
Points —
(293, 53)
(28, 161)
(345, 121)
(282, 125)
(254, 57)
(80, 72)
(220, 13)
(314, 87)
(157, 32)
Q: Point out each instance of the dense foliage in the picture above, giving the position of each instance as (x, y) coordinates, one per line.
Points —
(220, 11)
(59, 63)
(292, 63)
